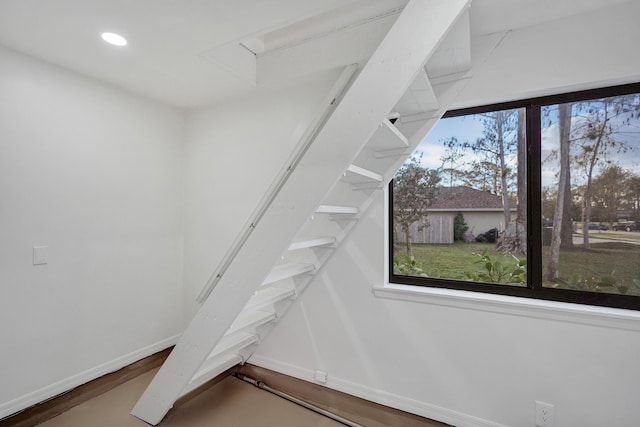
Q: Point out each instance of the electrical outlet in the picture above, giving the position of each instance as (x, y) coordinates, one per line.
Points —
(544, 414)
(321, 377)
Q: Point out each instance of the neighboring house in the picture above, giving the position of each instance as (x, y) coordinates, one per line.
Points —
(482, 211)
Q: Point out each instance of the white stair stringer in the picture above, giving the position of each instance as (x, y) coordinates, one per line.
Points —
(216, 337)
(413, 133)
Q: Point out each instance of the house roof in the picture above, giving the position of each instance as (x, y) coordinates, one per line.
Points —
(466, 198)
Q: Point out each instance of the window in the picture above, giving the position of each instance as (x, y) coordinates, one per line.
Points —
(537, 198)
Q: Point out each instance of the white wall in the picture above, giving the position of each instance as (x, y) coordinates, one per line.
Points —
(232, 154)
(94, 173)
(575, 53)
(468, 363)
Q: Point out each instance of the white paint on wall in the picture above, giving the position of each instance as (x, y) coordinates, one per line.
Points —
(468, 365)
(103, 179)
(575, 53)
(94, 173)
(231, 156)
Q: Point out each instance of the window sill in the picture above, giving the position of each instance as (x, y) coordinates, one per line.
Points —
(524, 307)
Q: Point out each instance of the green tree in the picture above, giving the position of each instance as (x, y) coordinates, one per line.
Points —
(496, 146)
(549, 200)
(597, 135)
(486, 175)
(502, 144)
(414, 188)
(564, 124)
(460, 227)
(450, 163)
(633, 196)
(499, 140)
(514, 238)
(608, 193)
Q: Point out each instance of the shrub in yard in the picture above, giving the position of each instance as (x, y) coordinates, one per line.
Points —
(407, 266)
(496, 271)
(594, 284)
(460, 227)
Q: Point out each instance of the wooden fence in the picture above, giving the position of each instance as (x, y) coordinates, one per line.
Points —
(438, 231)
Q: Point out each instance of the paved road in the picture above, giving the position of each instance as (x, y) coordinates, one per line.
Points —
(593, 237)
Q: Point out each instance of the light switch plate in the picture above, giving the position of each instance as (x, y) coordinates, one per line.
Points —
(40, 255)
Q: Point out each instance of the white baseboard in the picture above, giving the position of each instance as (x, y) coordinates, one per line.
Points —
(23, 402)
(378, 396)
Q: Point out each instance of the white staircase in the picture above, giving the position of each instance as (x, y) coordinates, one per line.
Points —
(349, 154)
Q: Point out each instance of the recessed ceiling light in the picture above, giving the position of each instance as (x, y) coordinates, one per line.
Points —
(114, 39)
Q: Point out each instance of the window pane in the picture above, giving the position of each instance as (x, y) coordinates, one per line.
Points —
(457, 210)
(590, 195)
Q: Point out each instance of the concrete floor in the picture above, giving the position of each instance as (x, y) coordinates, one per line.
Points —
(229, 403)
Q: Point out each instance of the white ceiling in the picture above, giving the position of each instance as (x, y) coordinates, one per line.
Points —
(186, 53)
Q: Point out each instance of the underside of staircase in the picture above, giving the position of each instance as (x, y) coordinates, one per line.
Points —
(369, 123)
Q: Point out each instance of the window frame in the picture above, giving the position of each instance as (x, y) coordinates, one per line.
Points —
(534, 288)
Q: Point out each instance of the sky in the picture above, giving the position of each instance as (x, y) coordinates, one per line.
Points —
(469, 128)
(627, 133)
(464, 128)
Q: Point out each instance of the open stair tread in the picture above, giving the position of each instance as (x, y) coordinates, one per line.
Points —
(285, 271)
(224, 356)
(387, 137)
(357, 175)
(211, 369)
(312, 243)
(332, 209)
(269, 295)
(419, 98)
(234, 342)
(393, 153)
(251, 319)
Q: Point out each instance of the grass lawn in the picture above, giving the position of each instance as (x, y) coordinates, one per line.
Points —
(452, 261)
(582, 269)
(620, 260)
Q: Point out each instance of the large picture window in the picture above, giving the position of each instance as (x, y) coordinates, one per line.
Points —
(538, 198)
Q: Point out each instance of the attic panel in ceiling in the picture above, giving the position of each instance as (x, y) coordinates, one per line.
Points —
(325, 51)
(332, 21)
(165, 37)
